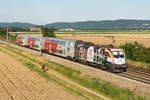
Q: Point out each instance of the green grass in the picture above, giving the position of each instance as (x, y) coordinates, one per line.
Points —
(13, 38)
(139, 64)
(34, 68)
(97, 84)
(92, 83)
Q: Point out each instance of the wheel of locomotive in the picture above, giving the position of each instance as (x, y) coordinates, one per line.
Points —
(68, 58)
(84, 62)
(72, 59)
(79, 60)
(30, 46)
(110, 68)
(102, 67)
(87, 62)
(125, 69)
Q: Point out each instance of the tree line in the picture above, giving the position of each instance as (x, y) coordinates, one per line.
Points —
(136, 51)
(46, 31)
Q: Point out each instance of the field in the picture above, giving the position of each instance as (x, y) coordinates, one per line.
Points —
(19, 83)
(105, 39)
(105, 32)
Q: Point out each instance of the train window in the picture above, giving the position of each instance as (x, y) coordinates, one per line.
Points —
(118, 54)
(121, 56)
(68, 49)
(121, 53)
(53, 50)
(59, 51)
(115, 53)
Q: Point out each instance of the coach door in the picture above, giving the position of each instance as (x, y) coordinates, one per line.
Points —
(90, 54)
(69, 49)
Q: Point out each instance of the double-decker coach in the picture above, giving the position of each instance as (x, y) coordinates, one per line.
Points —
(21, 40)
(63, 47)
(34, 42)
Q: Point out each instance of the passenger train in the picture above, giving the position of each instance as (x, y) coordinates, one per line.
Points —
(108, 58)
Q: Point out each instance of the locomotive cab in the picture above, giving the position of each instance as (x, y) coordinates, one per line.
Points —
(116, 58)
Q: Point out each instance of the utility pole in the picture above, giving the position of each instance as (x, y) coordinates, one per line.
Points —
(113, 40)
(73, 32)
(41, 53)
(7, 35)
(40, 31)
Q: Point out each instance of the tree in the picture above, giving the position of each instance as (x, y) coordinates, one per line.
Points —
(3, 31)
(48, 32)
(136, 51)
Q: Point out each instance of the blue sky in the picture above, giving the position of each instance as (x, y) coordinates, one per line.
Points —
(49, 11)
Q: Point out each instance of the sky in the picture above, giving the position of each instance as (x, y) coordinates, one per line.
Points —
(50, 11)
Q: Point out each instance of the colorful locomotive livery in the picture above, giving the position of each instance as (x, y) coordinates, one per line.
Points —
(112, 59)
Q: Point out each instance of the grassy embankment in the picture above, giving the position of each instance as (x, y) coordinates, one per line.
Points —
(92, 83)
(13, 37)
(139, 64)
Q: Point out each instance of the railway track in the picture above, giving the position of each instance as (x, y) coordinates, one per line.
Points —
(138, 74)
(134, 73)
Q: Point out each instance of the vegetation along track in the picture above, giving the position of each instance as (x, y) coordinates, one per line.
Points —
(134, 73)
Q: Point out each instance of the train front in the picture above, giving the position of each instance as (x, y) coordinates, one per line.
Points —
(118, 60)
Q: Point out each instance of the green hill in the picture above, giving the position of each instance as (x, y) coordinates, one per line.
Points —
(106, 24)
(91, 25)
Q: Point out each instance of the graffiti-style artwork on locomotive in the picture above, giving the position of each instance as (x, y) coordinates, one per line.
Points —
(82, 53)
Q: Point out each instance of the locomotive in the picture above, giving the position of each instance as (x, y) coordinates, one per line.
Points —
(108, 58)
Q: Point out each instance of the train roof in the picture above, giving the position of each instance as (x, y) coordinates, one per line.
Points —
(52, 38)
(116, 49)
(73, 40)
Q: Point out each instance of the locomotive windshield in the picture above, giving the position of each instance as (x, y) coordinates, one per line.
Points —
(118, 54)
